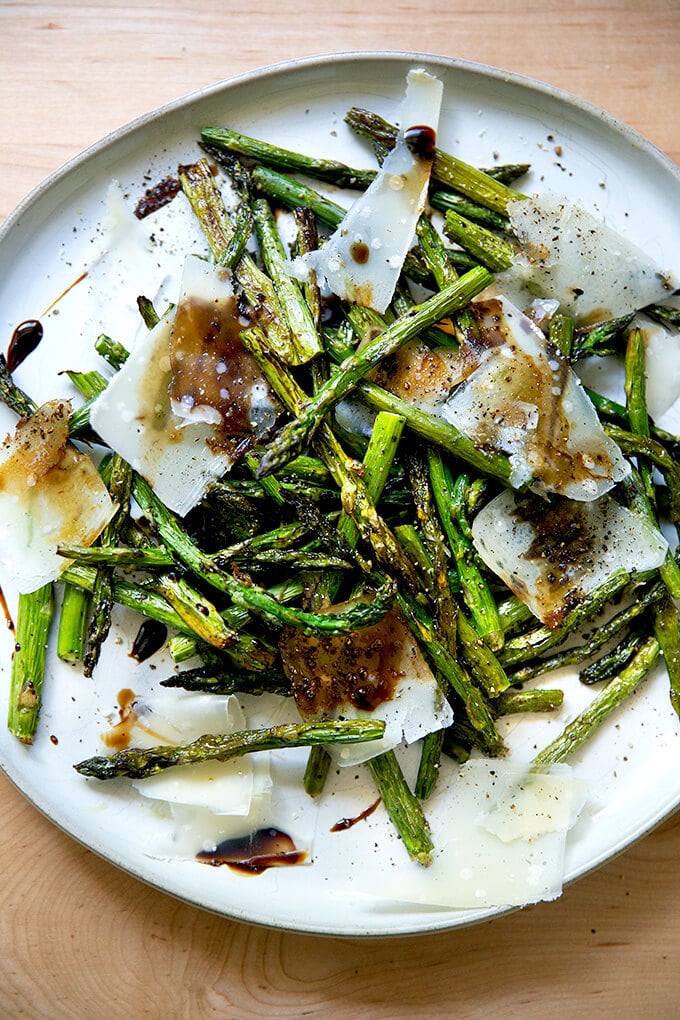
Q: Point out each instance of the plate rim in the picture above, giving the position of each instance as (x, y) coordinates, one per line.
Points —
(318, 60)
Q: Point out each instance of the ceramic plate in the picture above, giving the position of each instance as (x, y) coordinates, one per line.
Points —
(632, 765)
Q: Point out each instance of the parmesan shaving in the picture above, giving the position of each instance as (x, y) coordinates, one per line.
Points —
(362, 260)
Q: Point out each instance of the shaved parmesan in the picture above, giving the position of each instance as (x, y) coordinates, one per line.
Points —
(522, 399)
(222, 787)
(363, 259)
(180, 456)
(200, 807)
(570, 254)
(214, 378)
(662, 368)
(377, 673)
(499, 832)
(50, 495)
(553, 555)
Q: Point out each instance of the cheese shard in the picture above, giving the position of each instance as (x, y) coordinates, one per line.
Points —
(199, 808)
(553, 555)
(499, 833)
(221, 787)
(376, 673)
(180, 455)
(568, 253)
(50, 494)
(214, 378)
(521, 398)
(362, 260)
(662, 369)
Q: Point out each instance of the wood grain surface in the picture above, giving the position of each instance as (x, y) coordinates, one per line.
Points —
(80, 940)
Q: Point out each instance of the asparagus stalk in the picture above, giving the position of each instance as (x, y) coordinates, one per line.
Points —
(102, 594)
(667, 631)
(437, 431)
(476, 593)
(435, 253)
(403, 808)
(151, 558)
(138, 763)
(492, 251)
(636, 403)
(213, 680)
(609, 664)
(111, 350)
(637, 445)
(444, 200)
(525, 646)
(561, 333)
(537, 700)
(73, 617)
(446, 611)
(303, 332)
(199, 187)
(601, 339)
(452, 298)
(34, 618)
(12, 395)
(150, 316)
(607, 701)
(475, 705)
(456, 174)
(603, 633)
(248, 595)
(280, 158)
(430, 761)
(663, 314)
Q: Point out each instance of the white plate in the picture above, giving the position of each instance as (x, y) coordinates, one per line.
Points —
(633, 764)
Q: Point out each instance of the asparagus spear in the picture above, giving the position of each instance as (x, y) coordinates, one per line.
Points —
(476, 593)
(303, 332)
(453, 297)
(525, 646)
(199, 186)
(444, 200)
(248, 595)
(403, 808)
(113, 351)
(73, 617)
(138, 763)
(102, 594)
(648, 447)
(458, 175)
(492, 251)
(667, 631)
(278, 157)
(636, 403)
(609, 664)
(216, 680)
(561, 333)
(666, 315)
(609, 699)
(34, 618)
(603, 338)
(604, 632)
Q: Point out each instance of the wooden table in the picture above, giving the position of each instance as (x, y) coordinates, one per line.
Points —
(81, 940)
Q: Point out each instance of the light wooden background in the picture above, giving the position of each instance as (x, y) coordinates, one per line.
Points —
(79, 940)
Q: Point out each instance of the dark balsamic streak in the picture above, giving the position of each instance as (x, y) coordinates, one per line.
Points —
(25, 339)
